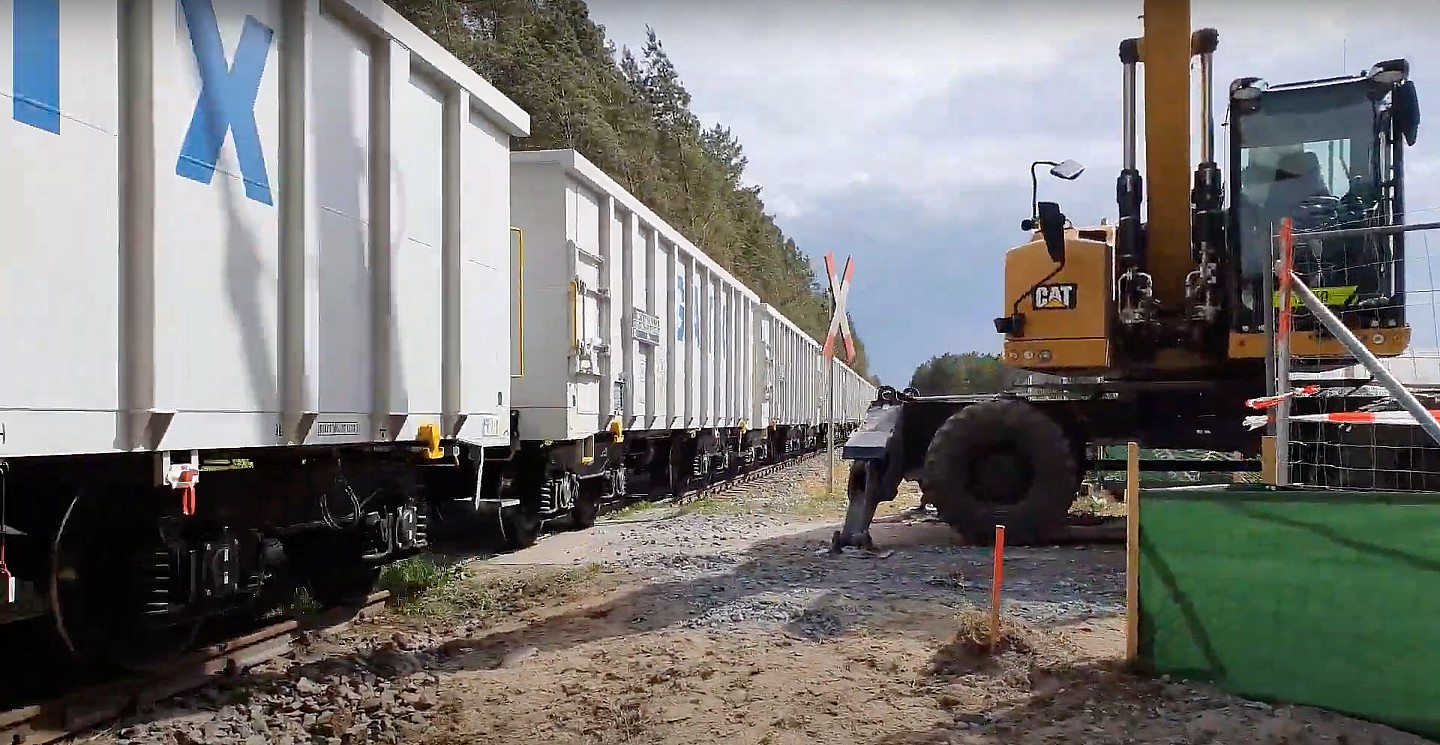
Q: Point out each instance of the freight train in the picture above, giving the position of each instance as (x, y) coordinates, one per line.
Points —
(276, 295)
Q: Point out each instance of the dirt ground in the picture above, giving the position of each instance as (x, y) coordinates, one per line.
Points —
(726, 622)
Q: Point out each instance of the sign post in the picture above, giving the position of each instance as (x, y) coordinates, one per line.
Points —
(839, 324)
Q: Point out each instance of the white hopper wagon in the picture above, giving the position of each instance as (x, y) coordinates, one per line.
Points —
(798, 377)
(643, 365)
(853, 396)
(256, 273)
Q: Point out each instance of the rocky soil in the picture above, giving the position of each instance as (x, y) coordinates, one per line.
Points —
(726, 621)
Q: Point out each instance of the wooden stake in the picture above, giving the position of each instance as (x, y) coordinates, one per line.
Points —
(1267, 459)
(997, 577)
(1132, 552)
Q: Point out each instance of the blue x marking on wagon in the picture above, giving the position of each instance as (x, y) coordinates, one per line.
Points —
(227, 100)
(35, 48)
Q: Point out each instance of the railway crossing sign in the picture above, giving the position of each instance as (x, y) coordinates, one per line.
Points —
(839, 323)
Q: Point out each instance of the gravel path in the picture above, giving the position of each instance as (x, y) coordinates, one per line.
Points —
(786, 583)
(727, 621)
(752, 562)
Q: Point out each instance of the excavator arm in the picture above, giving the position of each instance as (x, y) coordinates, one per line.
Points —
(1165, 51)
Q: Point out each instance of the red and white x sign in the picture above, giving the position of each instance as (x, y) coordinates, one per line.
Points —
(839, 323)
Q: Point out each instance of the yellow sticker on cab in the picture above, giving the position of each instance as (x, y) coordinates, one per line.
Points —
(1332, 296)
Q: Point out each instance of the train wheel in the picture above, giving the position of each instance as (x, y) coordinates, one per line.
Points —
(345, 586)
(677, 470)
(333, 572)
(1001, 462)
(521, 527)
(587, 503)
(111, 574)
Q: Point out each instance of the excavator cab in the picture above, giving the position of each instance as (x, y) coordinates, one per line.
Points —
(1329, 154)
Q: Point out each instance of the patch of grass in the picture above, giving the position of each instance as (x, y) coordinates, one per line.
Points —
(490, 596)
(717, 504)
(972, 635)
(815, 502)
(622, 720)
(1018, 654)
(413, 577)
(302, 604)
(807, 500)
(631, 511)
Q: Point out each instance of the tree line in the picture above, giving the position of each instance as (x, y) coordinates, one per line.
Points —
(629, 113)
(968, 372)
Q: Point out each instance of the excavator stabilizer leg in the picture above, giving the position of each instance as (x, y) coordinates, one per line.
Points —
(875, 476)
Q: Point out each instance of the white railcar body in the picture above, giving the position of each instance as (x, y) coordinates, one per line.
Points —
(642, 362)
(626, 320)
(247, 223)
(797, 379)
(256, 274)
(854, 394)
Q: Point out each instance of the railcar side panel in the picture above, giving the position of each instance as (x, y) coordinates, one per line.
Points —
(652, 329)
(250, 270)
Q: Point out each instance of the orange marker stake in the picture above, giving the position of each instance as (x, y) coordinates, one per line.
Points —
(997, 577)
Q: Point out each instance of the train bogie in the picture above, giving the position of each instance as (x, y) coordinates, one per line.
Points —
(261, 278)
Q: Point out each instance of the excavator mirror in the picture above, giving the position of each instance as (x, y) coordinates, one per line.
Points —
(1052, 229)
(1068, 170)
(1405, 111)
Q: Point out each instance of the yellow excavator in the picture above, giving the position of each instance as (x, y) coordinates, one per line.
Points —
(1159, 324)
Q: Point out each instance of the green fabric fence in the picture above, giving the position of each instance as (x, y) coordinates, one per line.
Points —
(1325, 598)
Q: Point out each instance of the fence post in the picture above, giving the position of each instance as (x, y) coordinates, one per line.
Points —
(1132, 552)
(1267, 460)
(830, 429)
(1284, 320)
(997, 579)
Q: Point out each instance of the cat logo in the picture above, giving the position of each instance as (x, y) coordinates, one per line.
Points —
(1053, 297)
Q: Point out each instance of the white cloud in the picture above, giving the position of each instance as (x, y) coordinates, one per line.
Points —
(828, 95)
(900, 131)
(822, 93)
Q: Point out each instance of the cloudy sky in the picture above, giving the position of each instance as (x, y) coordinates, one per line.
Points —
(900, 132)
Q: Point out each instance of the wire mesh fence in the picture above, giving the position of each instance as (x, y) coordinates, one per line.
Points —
(1340, 425)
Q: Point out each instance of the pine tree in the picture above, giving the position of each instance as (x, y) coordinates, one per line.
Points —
(669, 101)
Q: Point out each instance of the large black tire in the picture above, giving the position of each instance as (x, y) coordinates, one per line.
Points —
(1001, 462)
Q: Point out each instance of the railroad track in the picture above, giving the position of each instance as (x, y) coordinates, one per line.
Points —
(1078, 530)
(742, 479)
(738, 482)
(87, 708)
